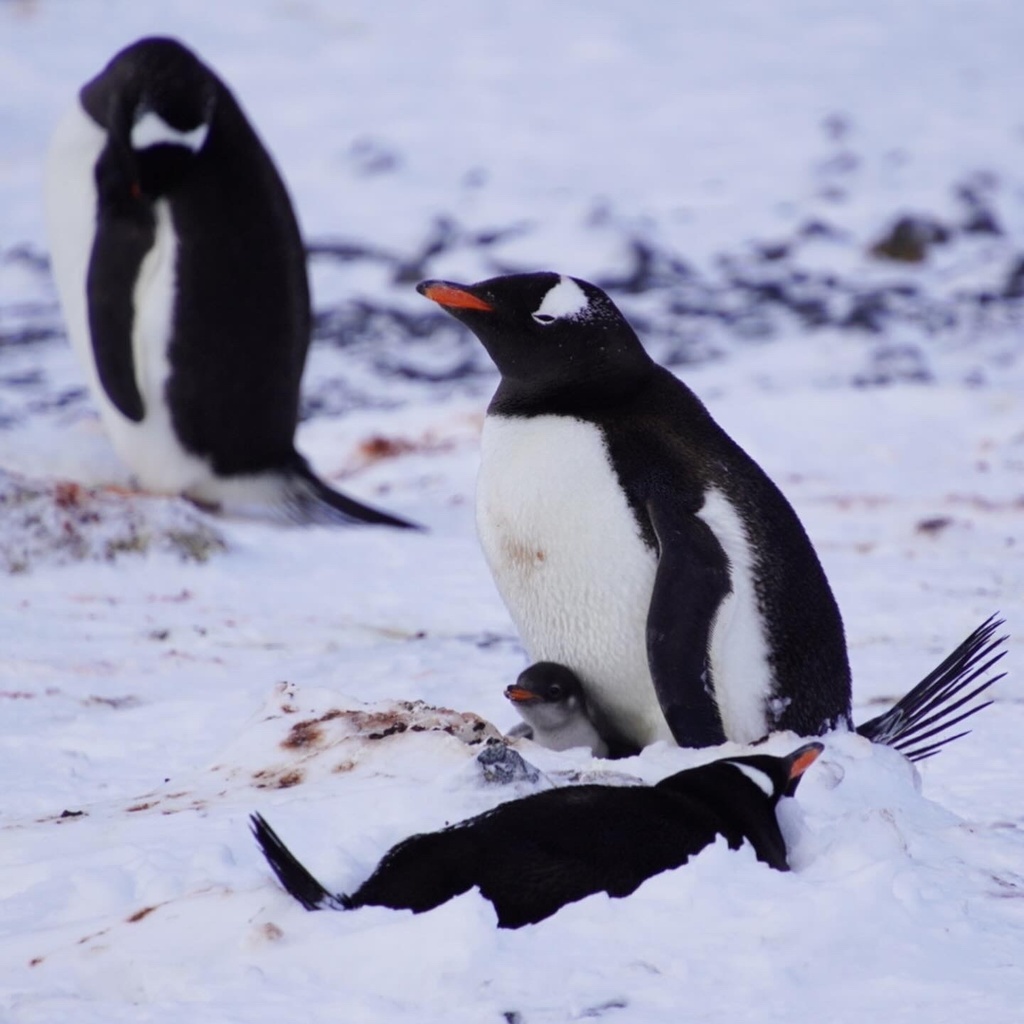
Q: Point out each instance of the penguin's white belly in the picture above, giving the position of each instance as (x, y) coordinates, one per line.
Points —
(150, 448)
(567, 557)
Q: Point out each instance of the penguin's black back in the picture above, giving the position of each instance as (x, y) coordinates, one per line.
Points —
(531, 856)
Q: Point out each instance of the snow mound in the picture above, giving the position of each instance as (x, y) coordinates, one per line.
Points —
(60, 522)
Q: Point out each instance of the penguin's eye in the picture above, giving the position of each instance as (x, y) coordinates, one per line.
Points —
(554, 692)
(543, 318)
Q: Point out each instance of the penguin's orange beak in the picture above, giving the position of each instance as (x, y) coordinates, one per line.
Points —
(804, 761)
(452, 296)
(519, 695)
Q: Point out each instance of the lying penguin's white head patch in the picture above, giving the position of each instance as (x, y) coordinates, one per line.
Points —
(759, 778)
(563, 301)
(152, 130)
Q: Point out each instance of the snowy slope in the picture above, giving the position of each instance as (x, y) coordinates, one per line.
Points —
(149, 693)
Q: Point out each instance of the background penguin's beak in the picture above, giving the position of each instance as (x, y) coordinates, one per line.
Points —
(452, 296)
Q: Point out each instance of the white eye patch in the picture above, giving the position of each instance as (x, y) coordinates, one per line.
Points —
(562, 302)
(757, 777)
(152, 130)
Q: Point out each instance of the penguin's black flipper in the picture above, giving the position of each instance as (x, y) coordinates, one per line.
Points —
(125, 233)
(295, 879)
(691, 581)
(309, 500)
(929, 709)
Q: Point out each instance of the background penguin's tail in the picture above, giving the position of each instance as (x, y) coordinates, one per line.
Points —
(307, 499)
(291, 493)
(290, 873)
(918, 724)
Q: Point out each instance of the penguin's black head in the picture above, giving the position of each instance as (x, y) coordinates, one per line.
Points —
(777, 777)
(547, 694)
(156, 100)
(547, 332)
(546, 681)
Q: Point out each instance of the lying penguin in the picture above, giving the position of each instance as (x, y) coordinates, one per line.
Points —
(632, 540)
(552, 702)
(534, 855)
(182, 277)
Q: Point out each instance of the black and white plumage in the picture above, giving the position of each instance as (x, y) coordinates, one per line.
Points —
(534, 855)
(632, 540)
(182, 277)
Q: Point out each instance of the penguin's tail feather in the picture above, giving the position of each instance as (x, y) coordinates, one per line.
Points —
(295, 879)
(308, 500)
(918, 724)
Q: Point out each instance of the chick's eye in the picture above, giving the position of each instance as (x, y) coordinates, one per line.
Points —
(555, 692)
(543, 318)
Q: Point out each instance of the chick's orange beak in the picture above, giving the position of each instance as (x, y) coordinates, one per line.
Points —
(519, 695)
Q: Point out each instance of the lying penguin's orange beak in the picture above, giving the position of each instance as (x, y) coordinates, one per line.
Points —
(519, 695)
(805, 758)
(452, 296)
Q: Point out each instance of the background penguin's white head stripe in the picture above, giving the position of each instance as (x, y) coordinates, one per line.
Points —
(563, 301)
(757, 777)
(152, 130)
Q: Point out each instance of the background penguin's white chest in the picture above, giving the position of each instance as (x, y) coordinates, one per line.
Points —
(150, 446)
(567, 557)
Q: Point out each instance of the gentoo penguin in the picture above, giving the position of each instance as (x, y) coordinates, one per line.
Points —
(551, 699)
(182, 277)
(534, 855)
(633, 540)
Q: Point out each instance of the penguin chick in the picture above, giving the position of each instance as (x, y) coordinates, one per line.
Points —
(551, 700)
(182, 278)
(632, 540)
(534, 855)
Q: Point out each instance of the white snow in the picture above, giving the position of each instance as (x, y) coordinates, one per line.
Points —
(148, 701)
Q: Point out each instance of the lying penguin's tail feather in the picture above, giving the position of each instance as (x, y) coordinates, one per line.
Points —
(295, 879)
(307, 499)
(931, 708)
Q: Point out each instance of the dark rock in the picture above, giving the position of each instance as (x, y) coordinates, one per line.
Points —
(502, 765)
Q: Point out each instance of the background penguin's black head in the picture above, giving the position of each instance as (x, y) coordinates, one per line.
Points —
(546, 331)
(156, 100)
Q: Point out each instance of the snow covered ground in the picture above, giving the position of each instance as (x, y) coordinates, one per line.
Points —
(156, 662)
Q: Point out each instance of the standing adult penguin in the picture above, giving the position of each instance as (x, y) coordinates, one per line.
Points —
(182, 276)
(633, 541)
